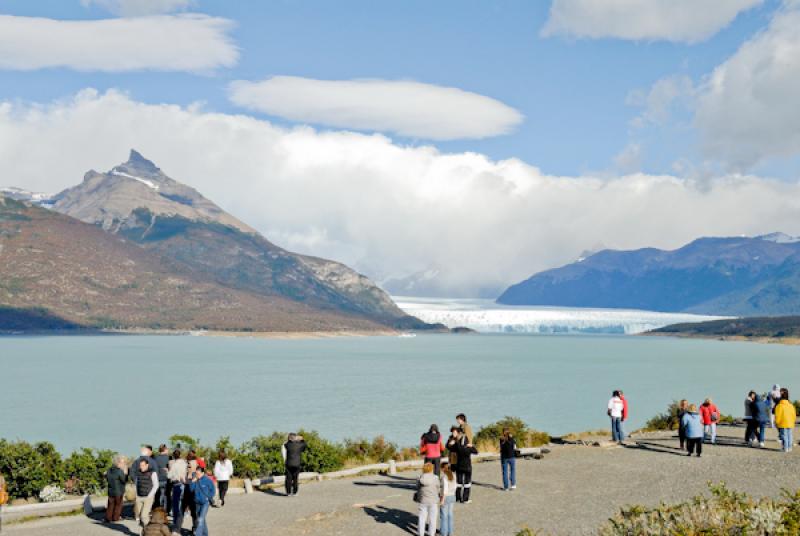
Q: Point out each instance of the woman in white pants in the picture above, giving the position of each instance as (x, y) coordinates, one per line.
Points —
(428, 497)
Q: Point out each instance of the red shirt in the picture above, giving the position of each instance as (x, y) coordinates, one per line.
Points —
(431, 450)
(706, 411)
(624, 407)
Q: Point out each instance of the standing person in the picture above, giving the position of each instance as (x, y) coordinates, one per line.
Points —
(177, 473)
(683, 409)
(158, 524)
(785, 419)
(508, 461)
(162, 461)
(448, 499)
(463, 450)
(774, 399)
(709, 414)
(292, 452)
(428, 499)
(624, 412)
(431, 447)
(203, 489)
(749, 420)
(146, 488)
(466, 428)
(223, 471)
(146, 454)
(761, 414)
(694, 431)
(188, 502)
(615, 407)
(116, 477)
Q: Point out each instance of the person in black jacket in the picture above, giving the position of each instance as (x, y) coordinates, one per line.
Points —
(162, 461)
(116, 478)
(508, 461)
(463, 450)
(292, 456)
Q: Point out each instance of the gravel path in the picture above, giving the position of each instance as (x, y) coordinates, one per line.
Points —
(572, 490)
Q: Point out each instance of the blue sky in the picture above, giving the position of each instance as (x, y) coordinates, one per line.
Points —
(572, 91)
(477, 141)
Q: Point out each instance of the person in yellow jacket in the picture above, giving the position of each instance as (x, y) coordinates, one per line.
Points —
(785, 418)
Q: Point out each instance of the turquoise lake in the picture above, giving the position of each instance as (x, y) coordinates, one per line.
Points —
(120, 391)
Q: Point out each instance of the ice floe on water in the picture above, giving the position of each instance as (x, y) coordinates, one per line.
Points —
(488, 317)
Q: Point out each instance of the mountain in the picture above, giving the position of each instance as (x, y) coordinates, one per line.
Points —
(738, 276)
(778, 329)
(59, 273)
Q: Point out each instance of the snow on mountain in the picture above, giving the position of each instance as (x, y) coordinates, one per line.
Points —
(485, 316)
(36, 198)
(146, 182)
(779, 238)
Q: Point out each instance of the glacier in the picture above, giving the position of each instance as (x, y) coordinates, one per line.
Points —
(485, 316)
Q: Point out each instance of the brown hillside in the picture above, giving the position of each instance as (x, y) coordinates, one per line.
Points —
(82, 274)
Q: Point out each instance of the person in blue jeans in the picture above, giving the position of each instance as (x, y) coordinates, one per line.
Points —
(447, 495)
(508, 462)
(203, 488)
(615, 410)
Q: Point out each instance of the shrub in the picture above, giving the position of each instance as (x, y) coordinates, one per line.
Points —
(88, 467)
(488, 437)
(29, 468)
(321, 455)
(376, 451)
(665, 421)
(724, 512)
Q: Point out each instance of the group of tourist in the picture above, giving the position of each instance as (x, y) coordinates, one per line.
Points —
(175, 483)
(444, 483)
(697, 425)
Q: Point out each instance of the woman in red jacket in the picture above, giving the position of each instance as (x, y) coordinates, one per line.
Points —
(431, 447)
(709, 414)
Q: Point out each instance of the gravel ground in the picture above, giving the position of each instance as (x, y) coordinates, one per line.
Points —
(573, 490)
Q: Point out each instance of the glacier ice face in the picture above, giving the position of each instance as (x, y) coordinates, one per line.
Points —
(485, 316)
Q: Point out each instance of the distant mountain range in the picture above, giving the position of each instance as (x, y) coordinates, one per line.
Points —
(737, 276)
(156, 253)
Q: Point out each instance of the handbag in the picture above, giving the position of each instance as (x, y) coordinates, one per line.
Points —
(418, 493)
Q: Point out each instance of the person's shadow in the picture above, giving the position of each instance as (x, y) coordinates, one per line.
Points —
(401, 519)
(117, 527)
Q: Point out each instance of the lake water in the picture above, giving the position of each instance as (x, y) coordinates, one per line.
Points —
(120, 391)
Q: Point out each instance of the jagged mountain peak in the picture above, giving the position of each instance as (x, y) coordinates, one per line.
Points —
(113, 198)
(137, 161)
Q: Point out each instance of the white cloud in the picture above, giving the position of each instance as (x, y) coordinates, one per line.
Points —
(686, 21)
(659, 100)
(195, 43)
(747, 109)
(137, 8)
(369, 202)
(407, 108)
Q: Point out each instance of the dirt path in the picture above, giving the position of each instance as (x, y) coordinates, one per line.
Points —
(571, 491)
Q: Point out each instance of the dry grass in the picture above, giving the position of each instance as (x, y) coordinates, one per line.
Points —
(587, 435)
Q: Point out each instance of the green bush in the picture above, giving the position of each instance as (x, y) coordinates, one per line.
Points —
(725, 512)
(321, 455)
(489, 435)
(29, 468)
(89, 467)
(665, 421)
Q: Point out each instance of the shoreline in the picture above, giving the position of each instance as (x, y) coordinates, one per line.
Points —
(786, 341)
(279, 335)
